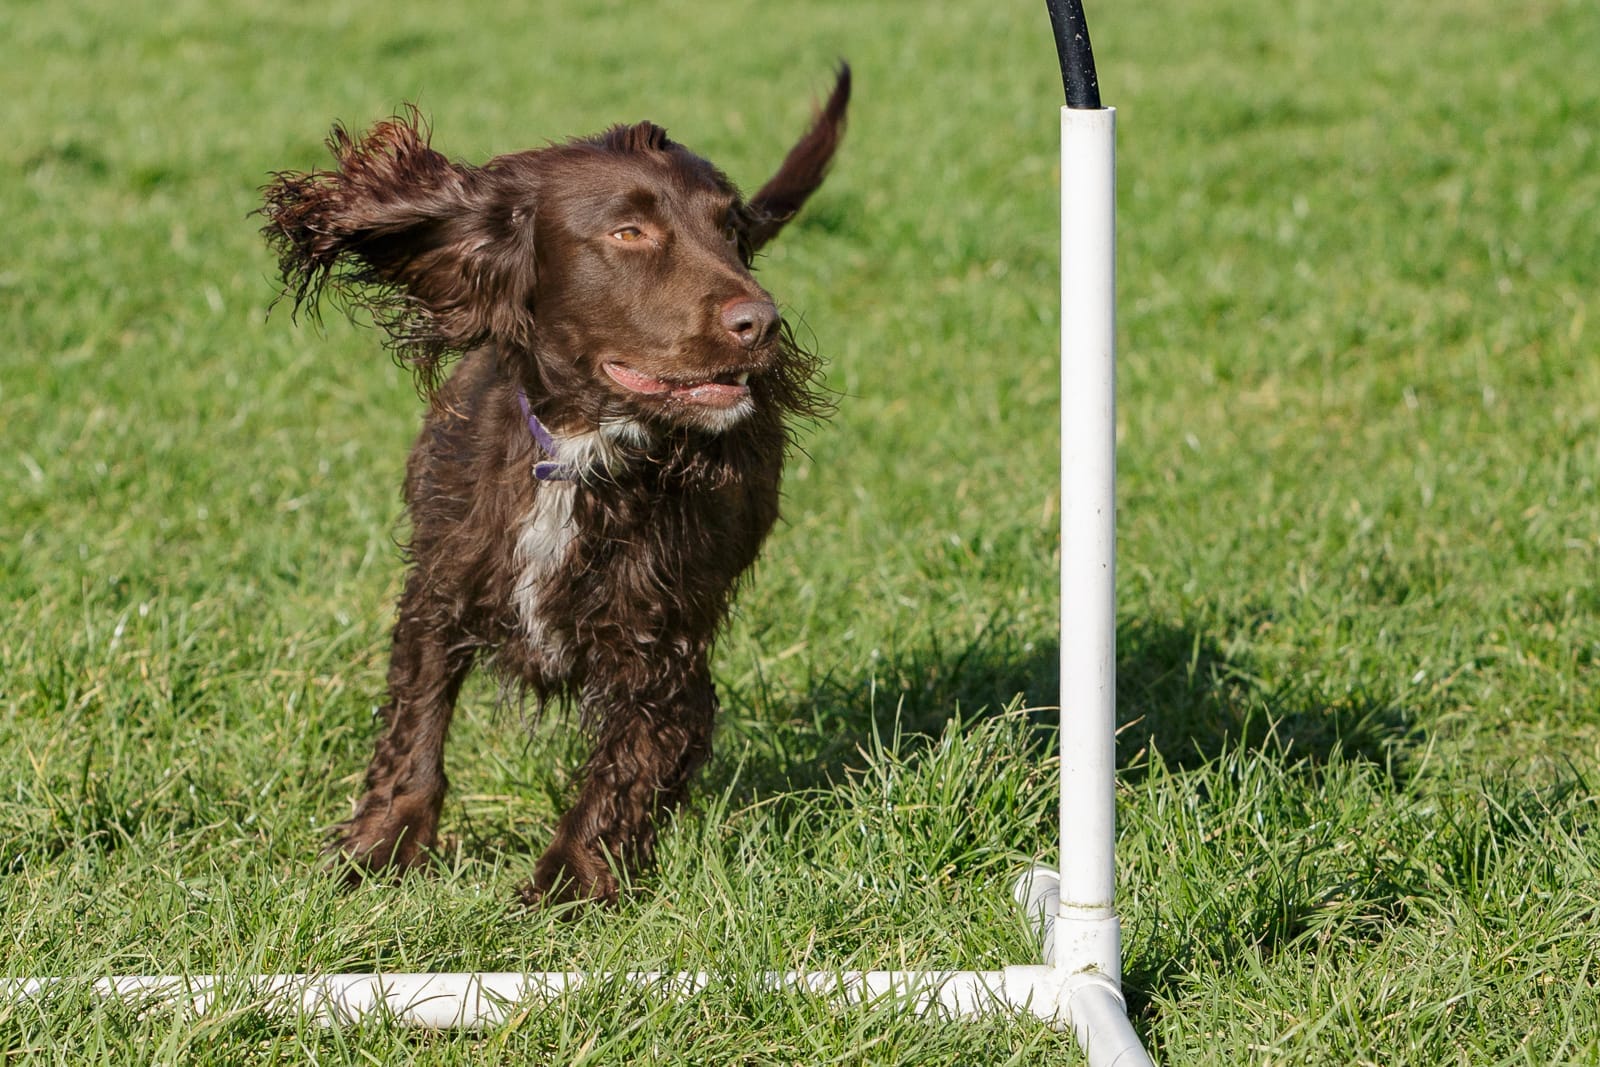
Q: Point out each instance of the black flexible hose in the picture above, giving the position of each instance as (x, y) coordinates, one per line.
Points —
(1077, 58)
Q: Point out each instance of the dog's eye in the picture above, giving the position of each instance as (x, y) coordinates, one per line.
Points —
(628, 234)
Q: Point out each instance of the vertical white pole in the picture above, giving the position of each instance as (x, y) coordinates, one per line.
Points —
(1087, 934)
(1084, 941)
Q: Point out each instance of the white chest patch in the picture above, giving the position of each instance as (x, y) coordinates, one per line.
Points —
(545, 533)
(543, 538)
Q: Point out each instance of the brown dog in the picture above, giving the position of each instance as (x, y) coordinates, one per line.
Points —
(599, 469)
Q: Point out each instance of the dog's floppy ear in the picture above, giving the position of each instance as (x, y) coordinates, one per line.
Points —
(441, 254)
(803, 168)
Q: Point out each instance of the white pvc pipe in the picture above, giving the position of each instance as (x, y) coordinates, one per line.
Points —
(1090, 1000)
(1086, 930)
(1100, 1022)
(475, 1001)
(484, 1000)
(1076, 910)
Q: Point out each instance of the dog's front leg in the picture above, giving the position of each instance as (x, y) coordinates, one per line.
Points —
(396, 820)
(649, 746)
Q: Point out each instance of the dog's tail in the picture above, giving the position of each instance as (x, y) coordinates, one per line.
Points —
(803, 169)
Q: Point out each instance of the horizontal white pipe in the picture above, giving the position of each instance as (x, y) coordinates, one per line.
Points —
(479, 1000)
(483, 1000)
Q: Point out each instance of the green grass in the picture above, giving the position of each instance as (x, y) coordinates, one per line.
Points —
(1359, 522)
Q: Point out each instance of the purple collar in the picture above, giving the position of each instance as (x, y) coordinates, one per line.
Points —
(552, 469)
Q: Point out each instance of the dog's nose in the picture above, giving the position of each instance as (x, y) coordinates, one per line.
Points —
(751, 322)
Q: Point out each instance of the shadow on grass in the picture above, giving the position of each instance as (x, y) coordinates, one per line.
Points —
(1178, 692)
(809, 737)
(1181, 693)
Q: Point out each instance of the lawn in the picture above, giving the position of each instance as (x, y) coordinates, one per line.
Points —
(1359, 531)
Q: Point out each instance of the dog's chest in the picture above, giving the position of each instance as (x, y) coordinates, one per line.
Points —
(545, 536)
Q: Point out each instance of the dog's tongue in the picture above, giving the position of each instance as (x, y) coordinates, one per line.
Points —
(632, 379)
(708, 393)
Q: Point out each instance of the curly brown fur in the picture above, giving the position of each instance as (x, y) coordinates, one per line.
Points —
(606, 282)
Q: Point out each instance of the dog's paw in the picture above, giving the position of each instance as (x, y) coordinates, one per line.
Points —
(364, 846)
(570, 878)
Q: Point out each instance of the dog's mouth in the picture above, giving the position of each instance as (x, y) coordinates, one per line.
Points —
(725, 390)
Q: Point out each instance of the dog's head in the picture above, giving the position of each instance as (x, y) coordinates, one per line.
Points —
(617, 267)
